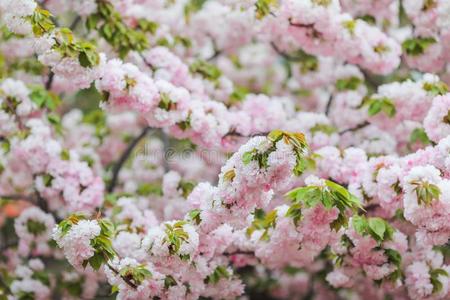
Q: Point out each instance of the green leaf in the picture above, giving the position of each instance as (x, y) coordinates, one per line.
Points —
(107, 227)
(437, 285)
(275, 135)
(262, 221)
(22, 295)
(84, 60)
(338, 188)
(146, 189)
(340, 222)
(434, 279)
(55, 120)
(169, 281)
(195, 216)
(374, 108)
(351, 83)
(350, 26)
(166, 103)
(206, 70)
(65, 155)
(41, 22)
(377, 226)
(435, 89)
(295, 212)
(417, 46)
(42, 276)
(74, 288)
(47, 179)
(393, 257)
(238, 95)
(426, 192)
(114, 289)
(229, 175)
(219, 273)
(35, 227)
(388, 108)
(438, 272)
(96, 261)
(186, 187)
(419, 135)
(263, 7)
(88, 57)
(186, 124)
(247, 157)
(325, 128)
(147, 26)
(192, 6)
(43, 98)
(360, 224)
(377, 105)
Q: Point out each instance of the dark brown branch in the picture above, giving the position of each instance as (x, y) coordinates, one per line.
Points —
(328, 107)
(237, 134)
(5, 285)
(19, 197)
(41, 202)
(300, 25)
(48, 84)
(127, 280)
(7, 245)
(357, 127)
(75, 23)
(217, 51)
(146, 62)
(239, 253)
(215, 55)
(166, 143)
(285, 55)
(124, 157)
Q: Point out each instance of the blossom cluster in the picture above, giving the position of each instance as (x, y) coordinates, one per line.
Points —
(290, 149)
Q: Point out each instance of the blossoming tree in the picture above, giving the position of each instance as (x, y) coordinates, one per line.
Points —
(219, 149)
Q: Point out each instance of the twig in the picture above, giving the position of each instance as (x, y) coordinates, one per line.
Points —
(48, 84)
(165, 140)
(127, 280)
(235, 133)
(146, 62)
(18, 197)
(124, 158)
(328, 107)
(285, 55)
(7, 245)
(217, 51)
(370, 79)
(5, 285)
(41, 202)
(215, 55)
(239, 253)
(300, 25)
(75, 23)
(357, 127)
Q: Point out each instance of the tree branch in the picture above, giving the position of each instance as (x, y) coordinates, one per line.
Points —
(75, 22)
(124, 158)
(285, 55)
(146, 62)
(19, 197)
(235, 133)
(239, 253)
(328, 107)
(48, 84)
(127, 280)
(357, 127)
